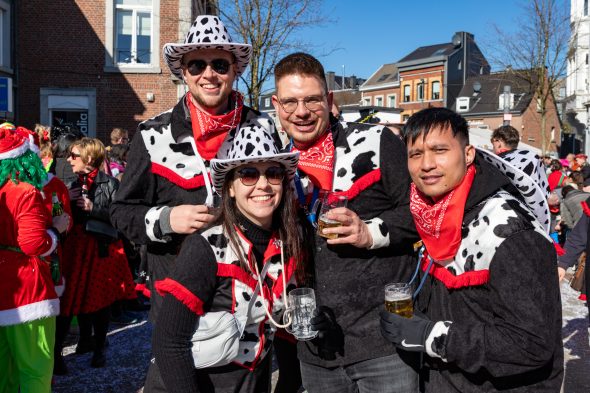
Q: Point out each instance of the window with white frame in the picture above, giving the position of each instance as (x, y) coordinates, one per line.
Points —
(366, 101)
(5, 39)
(420, 91)
(509, 103)
(379, 101)
(462, 104)
(391, 100)
(406, 93)
(436, 90)
(132, 35)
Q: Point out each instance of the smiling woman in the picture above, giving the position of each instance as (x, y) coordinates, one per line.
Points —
(239, 268)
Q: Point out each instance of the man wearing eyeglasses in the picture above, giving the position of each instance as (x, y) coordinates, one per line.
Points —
(165, 190)
(374, 244)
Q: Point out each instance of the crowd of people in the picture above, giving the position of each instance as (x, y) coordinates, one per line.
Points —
(475, 234)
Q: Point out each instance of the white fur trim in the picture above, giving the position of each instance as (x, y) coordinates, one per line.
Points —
(17, 152)
(30, 312)
(152, 217)
(440, 328)
(379, 240)
(54, 241)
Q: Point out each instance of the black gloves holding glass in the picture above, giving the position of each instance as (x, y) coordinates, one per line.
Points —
(330, 339)
(408, 334)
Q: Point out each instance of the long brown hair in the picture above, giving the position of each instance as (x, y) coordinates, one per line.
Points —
(285, 222)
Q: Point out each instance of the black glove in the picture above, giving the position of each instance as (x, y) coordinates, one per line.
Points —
(330, 339)
(408, 334)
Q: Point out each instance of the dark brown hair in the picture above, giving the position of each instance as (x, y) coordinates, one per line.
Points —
(507, 134)
(302, 64)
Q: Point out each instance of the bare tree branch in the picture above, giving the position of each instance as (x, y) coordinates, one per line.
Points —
(538, 51)
(269, 26)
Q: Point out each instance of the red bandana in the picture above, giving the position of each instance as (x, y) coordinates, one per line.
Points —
(318, 161)
(439, 224)
(210, 130)
(87, 180)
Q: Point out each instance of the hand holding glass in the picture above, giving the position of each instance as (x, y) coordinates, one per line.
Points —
(330, 202)
(302, 304)
(398, 299)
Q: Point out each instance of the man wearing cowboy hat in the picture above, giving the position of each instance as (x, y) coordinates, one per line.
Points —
(163, 195)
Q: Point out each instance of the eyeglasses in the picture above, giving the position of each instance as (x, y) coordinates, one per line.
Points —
(73, 155)
(249, 176)
(312, 103)
(196, 67)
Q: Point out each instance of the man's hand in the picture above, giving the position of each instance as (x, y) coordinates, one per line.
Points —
(330, 339)
(85, 204)
(61, 222)
(186, 219)
(353, 230)
(560, 273)
(408, 334)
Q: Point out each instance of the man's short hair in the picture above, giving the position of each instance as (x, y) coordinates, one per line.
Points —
(300, 63)
(422, 122)
(507, 134)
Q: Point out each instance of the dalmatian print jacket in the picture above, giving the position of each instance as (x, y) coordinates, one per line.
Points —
(165, 171)
(497, 304)
(370, 167)
(214, 281)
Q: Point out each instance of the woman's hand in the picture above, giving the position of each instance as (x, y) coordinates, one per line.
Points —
(85, 204)
(61, 222)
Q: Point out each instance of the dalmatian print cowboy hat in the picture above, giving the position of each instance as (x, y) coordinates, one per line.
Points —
(251, 145)
(207, 32)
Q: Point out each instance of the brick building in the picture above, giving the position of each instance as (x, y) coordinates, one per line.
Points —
(481, 102)
(96, 64)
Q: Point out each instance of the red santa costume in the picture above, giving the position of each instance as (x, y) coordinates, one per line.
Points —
(28, 301)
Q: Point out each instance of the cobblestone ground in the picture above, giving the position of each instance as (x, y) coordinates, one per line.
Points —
(129, 353)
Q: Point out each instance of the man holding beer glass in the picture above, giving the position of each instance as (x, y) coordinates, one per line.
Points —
(364, 166)
(491, 297)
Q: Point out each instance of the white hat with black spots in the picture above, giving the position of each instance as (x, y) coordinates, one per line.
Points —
(251, 145)
(207, 32)
(531, 191)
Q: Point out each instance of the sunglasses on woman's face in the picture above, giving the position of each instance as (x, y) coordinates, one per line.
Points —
(249, 176)
(197, 67)
(73, 155)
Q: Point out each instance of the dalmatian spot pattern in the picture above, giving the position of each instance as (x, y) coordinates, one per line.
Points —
(353, 164)
(207, 33)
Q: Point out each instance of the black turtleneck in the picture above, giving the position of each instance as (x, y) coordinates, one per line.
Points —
(176, 323)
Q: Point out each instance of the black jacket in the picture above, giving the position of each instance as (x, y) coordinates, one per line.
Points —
(505, 335)
(351, 280)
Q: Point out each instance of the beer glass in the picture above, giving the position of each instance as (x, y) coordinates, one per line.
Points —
(398, 299)
(330, 202)
(302, 304)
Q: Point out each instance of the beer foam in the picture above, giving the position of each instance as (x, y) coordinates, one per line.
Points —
(396, 296)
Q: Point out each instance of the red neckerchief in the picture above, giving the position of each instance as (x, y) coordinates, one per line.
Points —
(317, 161)
(88, 179)
(439, 224)
(210, 130)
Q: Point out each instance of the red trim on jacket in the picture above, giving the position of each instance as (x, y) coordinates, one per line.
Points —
(560, 251)
(195, 182)
(361, 184)
(234, 271)
(467, 279)
(143, 289)
(585, 208)
(180, 292)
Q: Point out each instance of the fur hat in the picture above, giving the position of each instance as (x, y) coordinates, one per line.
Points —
(251, 145)
(207, 32)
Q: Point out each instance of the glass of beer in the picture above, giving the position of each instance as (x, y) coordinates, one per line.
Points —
(302, 304)
(330, 201)
(398, 299)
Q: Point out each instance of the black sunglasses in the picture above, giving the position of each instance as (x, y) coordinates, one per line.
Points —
(73, 155)
(196, 67)
(249, 176)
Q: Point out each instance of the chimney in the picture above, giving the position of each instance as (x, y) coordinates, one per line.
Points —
(331, 80)
(353, 82)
